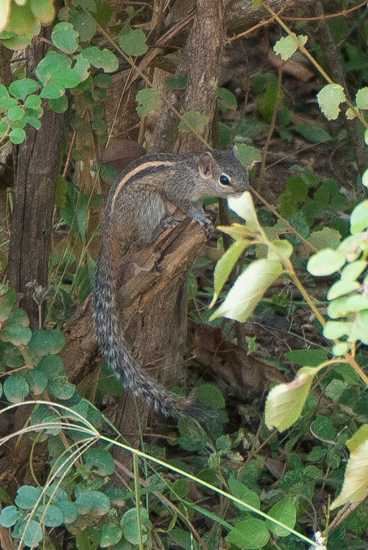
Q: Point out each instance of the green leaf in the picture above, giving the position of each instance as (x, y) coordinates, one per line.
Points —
(92, 500)
(210, 395)
(226, 99)
(16, 335)
(241, 491)
(280, 249)
(307, 357)
(225, 266)
(81, 67)
(43, 10)
(110, 535)
(21, 19)
(31, 532)
(285, 402)
(17, 42)
(288, 45)
(283, 511)
(329, 99)
(15, 113)
(340, 288)
(325, 238)
(101, 459)
(69, 511)
(134, 42)
(250, 534)
(44, 342)
(67, 78)
(359, 218)
(52, 91)
(193, 121)
(129, 525)
(249, 289)
(84, 24)
(103, 13)
(52, 366)
(27, 497)
(17, 136)
(247, 154)
(21, 88)
(336, 329)
(64, 37)
(148, 100)
(59, 105)
(326, 262)
(356, 476)
(88, 539)
(7, 102)
(362, 98)
(312, 132)
(182, 539)
(101, 59)
(50, 515)
(16, 388)
(61, 388)
(53, 62)
(9, 516)
(244, 207)
(37, 381)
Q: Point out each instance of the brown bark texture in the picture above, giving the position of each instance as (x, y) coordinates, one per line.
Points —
(35, 184)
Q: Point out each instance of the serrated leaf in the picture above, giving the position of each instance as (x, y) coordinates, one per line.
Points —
(64, 37)
(285, 402)
(193, 121)
(329, 99)
(134, 42)
(148, 100)
(326, 262)
(356, 477)
(225, 266)
(327, 237)
(248, 290)
(247, 154)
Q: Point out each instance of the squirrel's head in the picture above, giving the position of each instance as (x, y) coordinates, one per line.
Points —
(224, 174)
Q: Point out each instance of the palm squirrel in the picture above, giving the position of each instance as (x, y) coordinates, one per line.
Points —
(135, 212)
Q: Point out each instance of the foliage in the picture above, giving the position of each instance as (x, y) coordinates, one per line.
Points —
(73, 493)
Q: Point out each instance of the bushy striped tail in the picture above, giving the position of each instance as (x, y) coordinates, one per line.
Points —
(120, 359)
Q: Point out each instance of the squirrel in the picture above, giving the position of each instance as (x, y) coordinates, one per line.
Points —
(135, 212)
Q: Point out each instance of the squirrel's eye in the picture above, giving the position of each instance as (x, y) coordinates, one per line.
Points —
(224, 179)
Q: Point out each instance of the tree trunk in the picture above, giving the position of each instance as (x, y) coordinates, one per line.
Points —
(35, 183)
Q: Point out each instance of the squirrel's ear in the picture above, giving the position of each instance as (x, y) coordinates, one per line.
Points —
(207, 165)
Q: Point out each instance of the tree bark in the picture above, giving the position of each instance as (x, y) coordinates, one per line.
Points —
(35, 183)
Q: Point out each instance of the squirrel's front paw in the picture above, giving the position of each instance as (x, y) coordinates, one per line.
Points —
(207, 226)
(169, 222)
